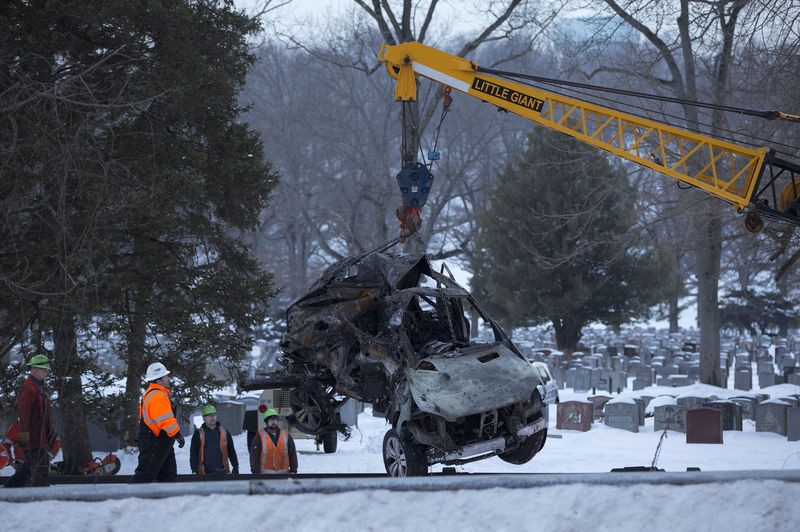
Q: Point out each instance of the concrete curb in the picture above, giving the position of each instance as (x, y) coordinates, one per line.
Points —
(290, 486)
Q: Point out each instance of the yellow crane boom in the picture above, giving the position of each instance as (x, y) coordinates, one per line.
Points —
(725, 170)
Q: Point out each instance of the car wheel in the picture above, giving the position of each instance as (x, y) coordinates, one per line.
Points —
(329, 442)
(523, 454)
(402, 457)
(309, 412)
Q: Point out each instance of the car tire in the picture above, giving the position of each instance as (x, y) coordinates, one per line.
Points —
(329, 442)
(525, 452)
(403, 457)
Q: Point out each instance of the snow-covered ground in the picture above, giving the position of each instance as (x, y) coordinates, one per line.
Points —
(746, 505)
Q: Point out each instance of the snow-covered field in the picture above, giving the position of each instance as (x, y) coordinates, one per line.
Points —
(746, 505)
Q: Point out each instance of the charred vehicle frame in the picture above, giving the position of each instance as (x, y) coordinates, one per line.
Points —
(390, 330)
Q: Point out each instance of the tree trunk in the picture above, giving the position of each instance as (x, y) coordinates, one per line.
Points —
(568, 334)
(73, 429)
(134, 372)
(674, 294)
(708, 267)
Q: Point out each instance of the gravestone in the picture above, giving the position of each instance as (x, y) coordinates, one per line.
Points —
(766, 379)
(641, 403)
(679, 380)
(792, 400)
(704, 425)
(743, 380)
(683, 367)
(639, 384)
(574, 415)
(572, 375)
(598, 402)
(618, 381)
(583, 380)
(771, 416)
(622, 415)
(731, 414)
(748, 405)
(230, 415)
(645, 373)
(794, 379)
(765, 367)
(793, 424)
(671, 417)
(690, 402)
(100, 440)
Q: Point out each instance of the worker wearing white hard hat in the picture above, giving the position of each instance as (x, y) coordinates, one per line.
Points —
(158, 429)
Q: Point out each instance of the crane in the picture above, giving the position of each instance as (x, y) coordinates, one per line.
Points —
(755, 181)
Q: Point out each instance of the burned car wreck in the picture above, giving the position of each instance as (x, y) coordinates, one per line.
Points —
(390, 330)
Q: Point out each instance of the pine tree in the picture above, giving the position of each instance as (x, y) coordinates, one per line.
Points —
(556, 242)
(131, 183)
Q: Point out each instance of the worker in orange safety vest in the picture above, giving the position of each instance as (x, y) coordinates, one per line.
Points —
(211, 451)
(272, 450)
(158, 428)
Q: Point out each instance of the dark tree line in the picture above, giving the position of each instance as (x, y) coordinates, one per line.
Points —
(127, 183)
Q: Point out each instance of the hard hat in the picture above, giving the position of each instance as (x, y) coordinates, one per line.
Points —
(209, 409)
(269, 413)
(39, 361)
(155, 371)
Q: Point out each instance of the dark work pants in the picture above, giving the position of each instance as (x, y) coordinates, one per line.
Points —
(33, 472)
(156, 458)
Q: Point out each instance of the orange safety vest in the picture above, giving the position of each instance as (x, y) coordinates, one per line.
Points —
(156, 410)
(223, 444)
(274, 458)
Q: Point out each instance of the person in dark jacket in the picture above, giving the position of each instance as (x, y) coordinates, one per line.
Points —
(272, 449)
(158, 429)
(212, 451)
(36, 432)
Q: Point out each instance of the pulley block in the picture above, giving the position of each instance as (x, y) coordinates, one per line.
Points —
(415, 183)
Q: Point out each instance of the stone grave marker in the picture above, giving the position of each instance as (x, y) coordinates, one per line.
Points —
(748, 405)
(743, 379)
(731, 414)
(572, 374)
(646, 374)
(765, 367)
(690, 402)
(704, 425)
(793, 424)
(639, 384)
(679, 380)
(641, 403)
(669, 416)
(230, 415)
(771, 416)
(574, 415)
(583, 380)
(598, 402)
(766, 379)
(792, 400)
(622, 415)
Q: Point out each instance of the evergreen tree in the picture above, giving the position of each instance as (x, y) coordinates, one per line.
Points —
(131, 183)
(759, 313)
(556, 242)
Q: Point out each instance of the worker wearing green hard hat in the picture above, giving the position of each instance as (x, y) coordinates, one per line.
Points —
(272, 449)
(212, 451)
(37, 435)
(39, 361)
